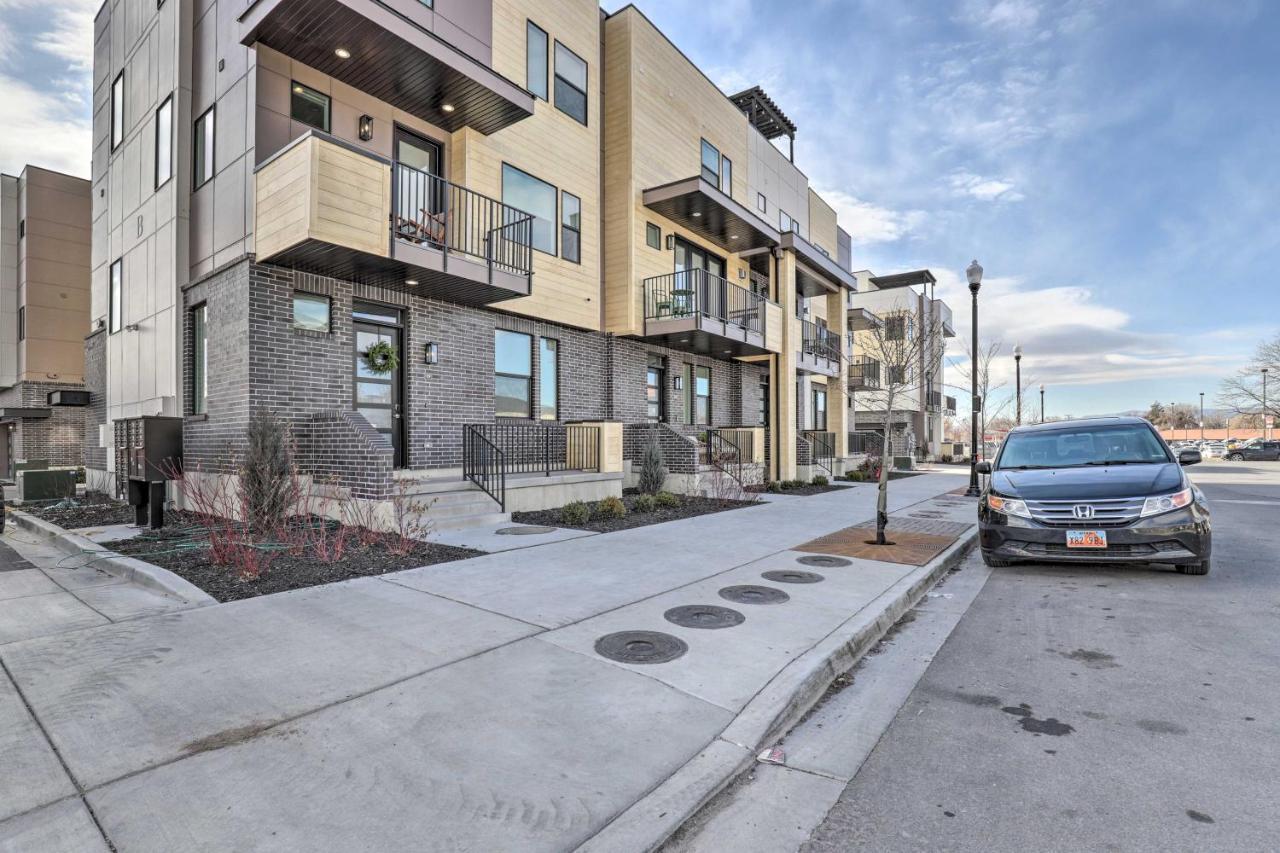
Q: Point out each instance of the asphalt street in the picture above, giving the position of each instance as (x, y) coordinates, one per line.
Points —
(1109, 708)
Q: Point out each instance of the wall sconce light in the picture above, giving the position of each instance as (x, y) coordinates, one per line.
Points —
(679, 383)
(366, 128)
(742, 273)
(431, 353)
(671, 241)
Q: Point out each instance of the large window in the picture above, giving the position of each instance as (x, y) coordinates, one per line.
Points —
(525, 192)
(571, 83)
(548, 379)
(164, 141)
(711, 163)
(115, 296)
(570, 227)
(311, 312)
(536, 60)
(117, 111)
(702, 396)
(820, 409)
(512, 374)
(726, 176)
(202, 140)
(655, 388)
(199, 359)
(309, 106)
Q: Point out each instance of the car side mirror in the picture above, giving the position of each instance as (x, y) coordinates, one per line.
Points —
(984, 467)
(1189, 457)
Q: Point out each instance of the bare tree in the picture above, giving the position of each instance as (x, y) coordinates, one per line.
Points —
(1242, 393)
(906, 353)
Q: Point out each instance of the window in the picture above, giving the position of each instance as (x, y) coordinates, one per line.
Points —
(117, 111)
(22, 322)
(430, 4)
(762, 204)
(115, 285)
(702, 396)
(202, 139)
(199, 359)
(571, 83)
(164, 141)
(710, 163)
(525, 192)
(310, 312)
(726, 176)
(536, 60)
(820, 409)
(786, 223)
(22, 228)
(652, 236)
(570, 227)
(309, 106)
(655, 387)
(899, 328)
(764, 401)
(512, 374)
(548, 379)
(895, 374)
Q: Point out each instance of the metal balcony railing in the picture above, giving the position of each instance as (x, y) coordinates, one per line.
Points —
(933, 401)
(864, 372)
(490, 452)
(698, 292)
(822, 447)
(428, 210)
(819, 341)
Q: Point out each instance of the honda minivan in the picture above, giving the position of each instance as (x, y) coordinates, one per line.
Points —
(1097, 490)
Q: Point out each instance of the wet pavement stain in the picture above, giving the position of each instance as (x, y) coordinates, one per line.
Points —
(1162, 727)
(1199, 817)
(1051, 726)
(1089, 657)
(978, 700)
(1094, 715)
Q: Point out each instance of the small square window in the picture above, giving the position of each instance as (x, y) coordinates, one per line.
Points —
(311, 312)
(309, 106)
(652, 236)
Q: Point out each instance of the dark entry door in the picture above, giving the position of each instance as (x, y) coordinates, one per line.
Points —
(420, 194)
(378, 395)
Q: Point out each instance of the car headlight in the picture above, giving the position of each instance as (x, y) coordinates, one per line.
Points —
(1167, 503)
(1009, 506)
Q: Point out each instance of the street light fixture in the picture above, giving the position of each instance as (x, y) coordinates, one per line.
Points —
(1041, 402)
(1017, 383)
(974, 273)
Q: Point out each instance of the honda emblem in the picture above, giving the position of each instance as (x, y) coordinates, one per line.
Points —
(1082, 511)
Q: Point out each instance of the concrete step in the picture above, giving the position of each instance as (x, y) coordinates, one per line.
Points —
(468, 521)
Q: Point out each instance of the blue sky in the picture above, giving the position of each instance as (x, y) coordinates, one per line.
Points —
(1112, 163)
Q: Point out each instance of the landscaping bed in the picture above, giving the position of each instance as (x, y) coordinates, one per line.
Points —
(183, 548)
(800, 491)
(93, 509)
(688, 506)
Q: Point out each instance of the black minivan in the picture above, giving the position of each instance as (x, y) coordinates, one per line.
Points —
(1097, 490)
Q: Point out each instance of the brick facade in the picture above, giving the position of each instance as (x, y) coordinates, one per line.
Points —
(95, 415)
(58, 438)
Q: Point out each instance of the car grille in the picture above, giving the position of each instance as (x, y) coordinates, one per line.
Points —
(1138, 550)
(1107, 512)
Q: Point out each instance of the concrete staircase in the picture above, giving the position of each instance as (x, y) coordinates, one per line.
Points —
(455, 503)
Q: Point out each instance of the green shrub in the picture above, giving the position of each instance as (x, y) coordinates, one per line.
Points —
(653, 472)
(667, 500)
(645, 503)
(820, 480)
(575, 514)
(855, 476)
(610, 507)
(794, 484)
(773, 487)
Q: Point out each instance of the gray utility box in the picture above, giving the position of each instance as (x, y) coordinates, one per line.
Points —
(148, 452)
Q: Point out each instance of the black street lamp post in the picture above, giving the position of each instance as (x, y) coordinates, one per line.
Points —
(974, 274)
(1041, 402)
(1017, 382)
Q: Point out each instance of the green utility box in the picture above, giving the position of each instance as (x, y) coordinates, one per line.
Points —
(46, 485)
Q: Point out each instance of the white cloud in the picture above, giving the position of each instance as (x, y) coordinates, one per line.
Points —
(70, 37)
(871, 223)
(984, 189)
(45, 128)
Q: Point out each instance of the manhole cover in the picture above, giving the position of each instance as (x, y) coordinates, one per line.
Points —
(704, 616)
(793, 576)
(528, 530)
(640, 647)
(824, 562)
(751, 594)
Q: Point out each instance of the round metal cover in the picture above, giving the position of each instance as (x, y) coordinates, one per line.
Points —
(793, 576)
(525, 530)
(752, 594)
(640, 647)
(704, 616)
(824, 562)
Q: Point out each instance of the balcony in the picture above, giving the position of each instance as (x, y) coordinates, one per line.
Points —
(816, 273)
(864, 374)
(943, 313)
(327, 207)
(695, 311)
(949, 406)
(390, 55)
(699, 206)
(819, 350)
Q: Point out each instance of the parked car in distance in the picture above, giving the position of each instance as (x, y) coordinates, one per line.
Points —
(1213, 449)
(1096, 490)
(1262, 451)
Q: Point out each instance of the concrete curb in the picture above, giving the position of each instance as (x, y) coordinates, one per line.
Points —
(144, 574)
(656, 816)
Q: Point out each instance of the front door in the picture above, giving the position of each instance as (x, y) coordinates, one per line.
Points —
(420, 194)
(378, 394)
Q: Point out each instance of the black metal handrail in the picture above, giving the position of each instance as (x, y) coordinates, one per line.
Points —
(543, 448)
(864, 372)
(819, 341)
(870, 443)
(482, 464)
(428, 210)
(759, 283)
(822, 447)
(731, 450)
(692, 292)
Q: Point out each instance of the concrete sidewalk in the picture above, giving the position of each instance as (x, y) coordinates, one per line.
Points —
(459, 706)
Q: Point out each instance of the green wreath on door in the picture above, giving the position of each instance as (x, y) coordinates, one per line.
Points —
(381, 358)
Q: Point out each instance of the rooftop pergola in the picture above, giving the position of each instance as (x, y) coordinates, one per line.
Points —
(765, 116)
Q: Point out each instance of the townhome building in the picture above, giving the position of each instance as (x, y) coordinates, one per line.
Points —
(44, 314)
(482, 249)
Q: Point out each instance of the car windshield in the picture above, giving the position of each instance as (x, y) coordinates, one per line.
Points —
(1115, 444)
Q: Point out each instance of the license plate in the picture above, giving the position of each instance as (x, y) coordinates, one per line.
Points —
(1086, 538)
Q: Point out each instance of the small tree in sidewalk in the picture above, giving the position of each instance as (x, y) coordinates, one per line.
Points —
(907, 352)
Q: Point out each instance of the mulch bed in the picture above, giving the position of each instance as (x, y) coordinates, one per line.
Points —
(91, 510)
(180, 549)
(802, 491)
(690, 507)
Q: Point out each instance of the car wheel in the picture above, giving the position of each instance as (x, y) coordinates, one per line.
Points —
(993, 563)
(1194, 568)
(1236, 457)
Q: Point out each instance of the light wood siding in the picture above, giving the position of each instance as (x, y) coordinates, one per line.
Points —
(283, 206)
(822, 224)
(774, 317)
(622, 307)
(552, 147)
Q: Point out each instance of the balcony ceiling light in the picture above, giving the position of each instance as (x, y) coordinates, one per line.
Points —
(342, 53)
(733, 236)
(297, 89)
(411, 281)
(697, 214)
(447, 107)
